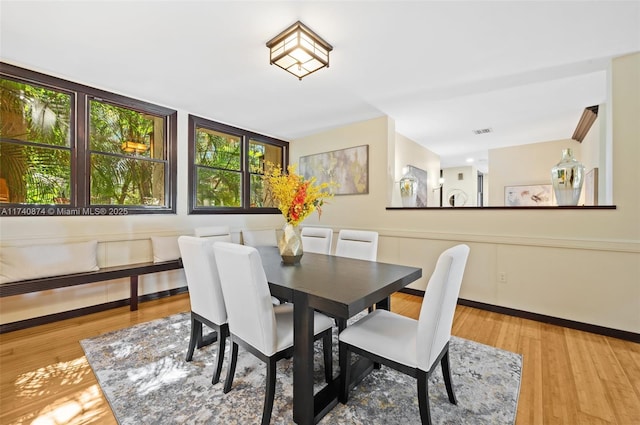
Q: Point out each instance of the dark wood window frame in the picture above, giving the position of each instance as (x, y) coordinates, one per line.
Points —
(246, 137)
(80, 164)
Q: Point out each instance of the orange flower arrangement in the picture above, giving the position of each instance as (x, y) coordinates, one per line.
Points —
(294, 196)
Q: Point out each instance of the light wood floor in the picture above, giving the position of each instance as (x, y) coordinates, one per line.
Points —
(569, 377)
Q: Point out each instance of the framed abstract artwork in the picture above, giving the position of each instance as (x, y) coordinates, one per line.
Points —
(345, 170)
(536, 195)
(422, 191)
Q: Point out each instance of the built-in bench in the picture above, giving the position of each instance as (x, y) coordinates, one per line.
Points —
(35, 268)
(132, 271)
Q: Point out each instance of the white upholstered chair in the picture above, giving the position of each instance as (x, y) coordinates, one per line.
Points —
(259, 237)
(265, 330)
(317, 239)
(205, 295)
(413, 347)
(218, 233)
(359, 244)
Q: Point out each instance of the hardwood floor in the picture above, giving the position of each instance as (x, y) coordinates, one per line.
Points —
(569, 376)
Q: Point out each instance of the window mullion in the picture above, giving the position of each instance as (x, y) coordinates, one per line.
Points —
(171, 161)
(81, 164)
(246, 175)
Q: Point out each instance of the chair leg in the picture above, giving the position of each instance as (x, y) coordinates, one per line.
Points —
(270, 391)
(446, 374)
(328, 356)
(222, 338)
(345, 373)
(232, 367)
(196, 336)
(423, 397)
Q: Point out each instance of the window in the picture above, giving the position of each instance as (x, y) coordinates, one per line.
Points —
(226, 165)
(68, 149)
(126, 155)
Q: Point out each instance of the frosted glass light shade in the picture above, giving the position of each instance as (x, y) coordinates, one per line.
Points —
(299, 50)
(134, 147)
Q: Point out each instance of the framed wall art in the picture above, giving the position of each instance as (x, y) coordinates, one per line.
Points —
(536, 195)
(346, 170)
(422, 191)
(591, 187)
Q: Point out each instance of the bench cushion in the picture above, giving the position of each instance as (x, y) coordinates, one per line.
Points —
(165, 248)
(31, 262)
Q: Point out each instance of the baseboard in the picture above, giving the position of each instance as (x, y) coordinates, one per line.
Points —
(600, 330)
(50, 318)
(410, 291)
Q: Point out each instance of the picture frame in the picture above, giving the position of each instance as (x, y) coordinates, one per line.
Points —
(534, 195)
(591, 187)
(345, 170)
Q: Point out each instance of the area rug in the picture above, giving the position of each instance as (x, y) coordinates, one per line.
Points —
(144, 376)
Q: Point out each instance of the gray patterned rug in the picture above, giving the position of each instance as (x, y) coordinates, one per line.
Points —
(142, 373)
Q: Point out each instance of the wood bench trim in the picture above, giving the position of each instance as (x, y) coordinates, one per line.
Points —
(132, 271)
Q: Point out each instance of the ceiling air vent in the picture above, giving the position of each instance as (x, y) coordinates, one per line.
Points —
(483, 131)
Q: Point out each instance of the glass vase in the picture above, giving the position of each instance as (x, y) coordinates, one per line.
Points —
(290, 244)
(409, 190)
(567, 177)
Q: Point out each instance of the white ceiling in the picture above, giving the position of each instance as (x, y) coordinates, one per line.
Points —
(525, 69)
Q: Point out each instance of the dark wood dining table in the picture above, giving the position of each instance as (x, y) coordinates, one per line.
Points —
(339, 287)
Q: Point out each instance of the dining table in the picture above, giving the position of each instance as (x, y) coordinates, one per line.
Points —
(339, 287)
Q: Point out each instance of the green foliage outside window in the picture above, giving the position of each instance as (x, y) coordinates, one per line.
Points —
(218, 169)
(123, 144)
(126, 149)
(35, 156)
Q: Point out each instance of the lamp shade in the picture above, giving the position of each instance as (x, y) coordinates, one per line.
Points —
(134, 147)
(299, 50)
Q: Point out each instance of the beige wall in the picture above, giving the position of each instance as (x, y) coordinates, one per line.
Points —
(408, 152)
(531, 164)
(581, 265)
(577, 265)
(374, 133)
(462, 182)
(525, 165)
(592, 156)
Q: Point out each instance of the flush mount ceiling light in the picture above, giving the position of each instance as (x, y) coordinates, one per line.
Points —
(299, 50)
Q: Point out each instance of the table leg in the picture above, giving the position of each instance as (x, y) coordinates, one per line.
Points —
(303, 403)
(384, 304)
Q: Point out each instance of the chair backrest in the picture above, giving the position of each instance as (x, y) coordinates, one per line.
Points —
(439, 305)
(246, 295)
(360, 244)
(259, 237)
(203, 281)
(317, 239)
(216, 233)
